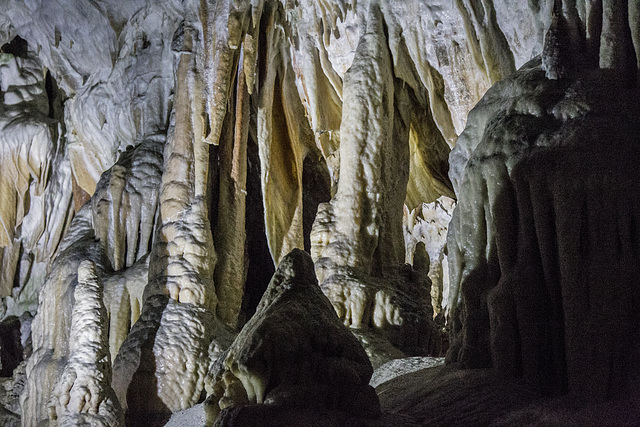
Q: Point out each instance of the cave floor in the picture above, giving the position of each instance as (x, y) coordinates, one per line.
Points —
(446, 396)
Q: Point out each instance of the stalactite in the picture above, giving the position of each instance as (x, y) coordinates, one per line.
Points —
(314, 124)
(282, 140)
(321, 92)
(35, 207)
(491, 49)
(230, 234)
(28, 139)
(124, 205)
(224, 25)
(10, 256)
(616, 44)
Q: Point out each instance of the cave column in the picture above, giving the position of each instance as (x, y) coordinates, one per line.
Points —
(162, 366)
(357, 242)
(354, 213)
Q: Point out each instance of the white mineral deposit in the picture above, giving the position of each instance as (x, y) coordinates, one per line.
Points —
(313, 212)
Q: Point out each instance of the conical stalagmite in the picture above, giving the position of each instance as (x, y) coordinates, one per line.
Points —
(295, 355)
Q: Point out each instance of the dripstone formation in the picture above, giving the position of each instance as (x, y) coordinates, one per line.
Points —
(233, 212)
(294, 355)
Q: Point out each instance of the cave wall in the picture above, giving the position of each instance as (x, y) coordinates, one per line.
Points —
(184, 148)
(542, 243)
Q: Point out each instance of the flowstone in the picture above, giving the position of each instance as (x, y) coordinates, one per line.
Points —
(52, 326)
(544, 243)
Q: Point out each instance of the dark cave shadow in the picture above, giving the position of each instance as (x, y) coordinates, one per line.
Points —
(144, 408)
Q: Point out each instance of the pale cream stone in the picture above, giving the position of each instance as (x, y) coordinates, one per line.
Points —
(229, 233)
(51, 327)
(282, 142)
(381, 116)
(167, 354)
(84, 396)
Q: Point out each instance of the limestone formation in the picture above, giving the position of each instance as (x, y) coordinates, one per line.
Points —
(229, 232)
(136, 177)
(166, 356)
(357, 237)
(177, 151)
(543, 241)
(428, 225)
(123, 298)
(50, 330)
(295, 354)
(124, 204)
(28, 148)
(84, 395)
(36, 199)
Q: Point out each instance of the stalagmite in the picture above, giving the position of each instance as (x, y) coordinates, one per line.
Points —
(543, 241)
(351, 237)
(84, 395)
(158, 160)
(50, 330)
(51, 327)
(295, 355)
(165, 358)
(428, 224)
(358, 235)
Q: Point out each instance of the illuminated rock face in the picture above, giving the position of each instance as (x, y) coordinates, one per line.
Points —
(84, 395)
(35, 184)
(51, 332)
(357, 239)
(425, 236)
(175, 152)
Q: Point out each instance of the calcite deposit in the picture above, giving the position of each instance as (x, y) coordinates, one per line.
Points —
(543, 241)
(463, 175)
(295, 354)
(84, 395)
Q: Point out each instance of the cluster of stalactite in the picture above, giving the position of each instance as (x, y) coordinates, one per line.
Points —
(172, 167)
(252, 129)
